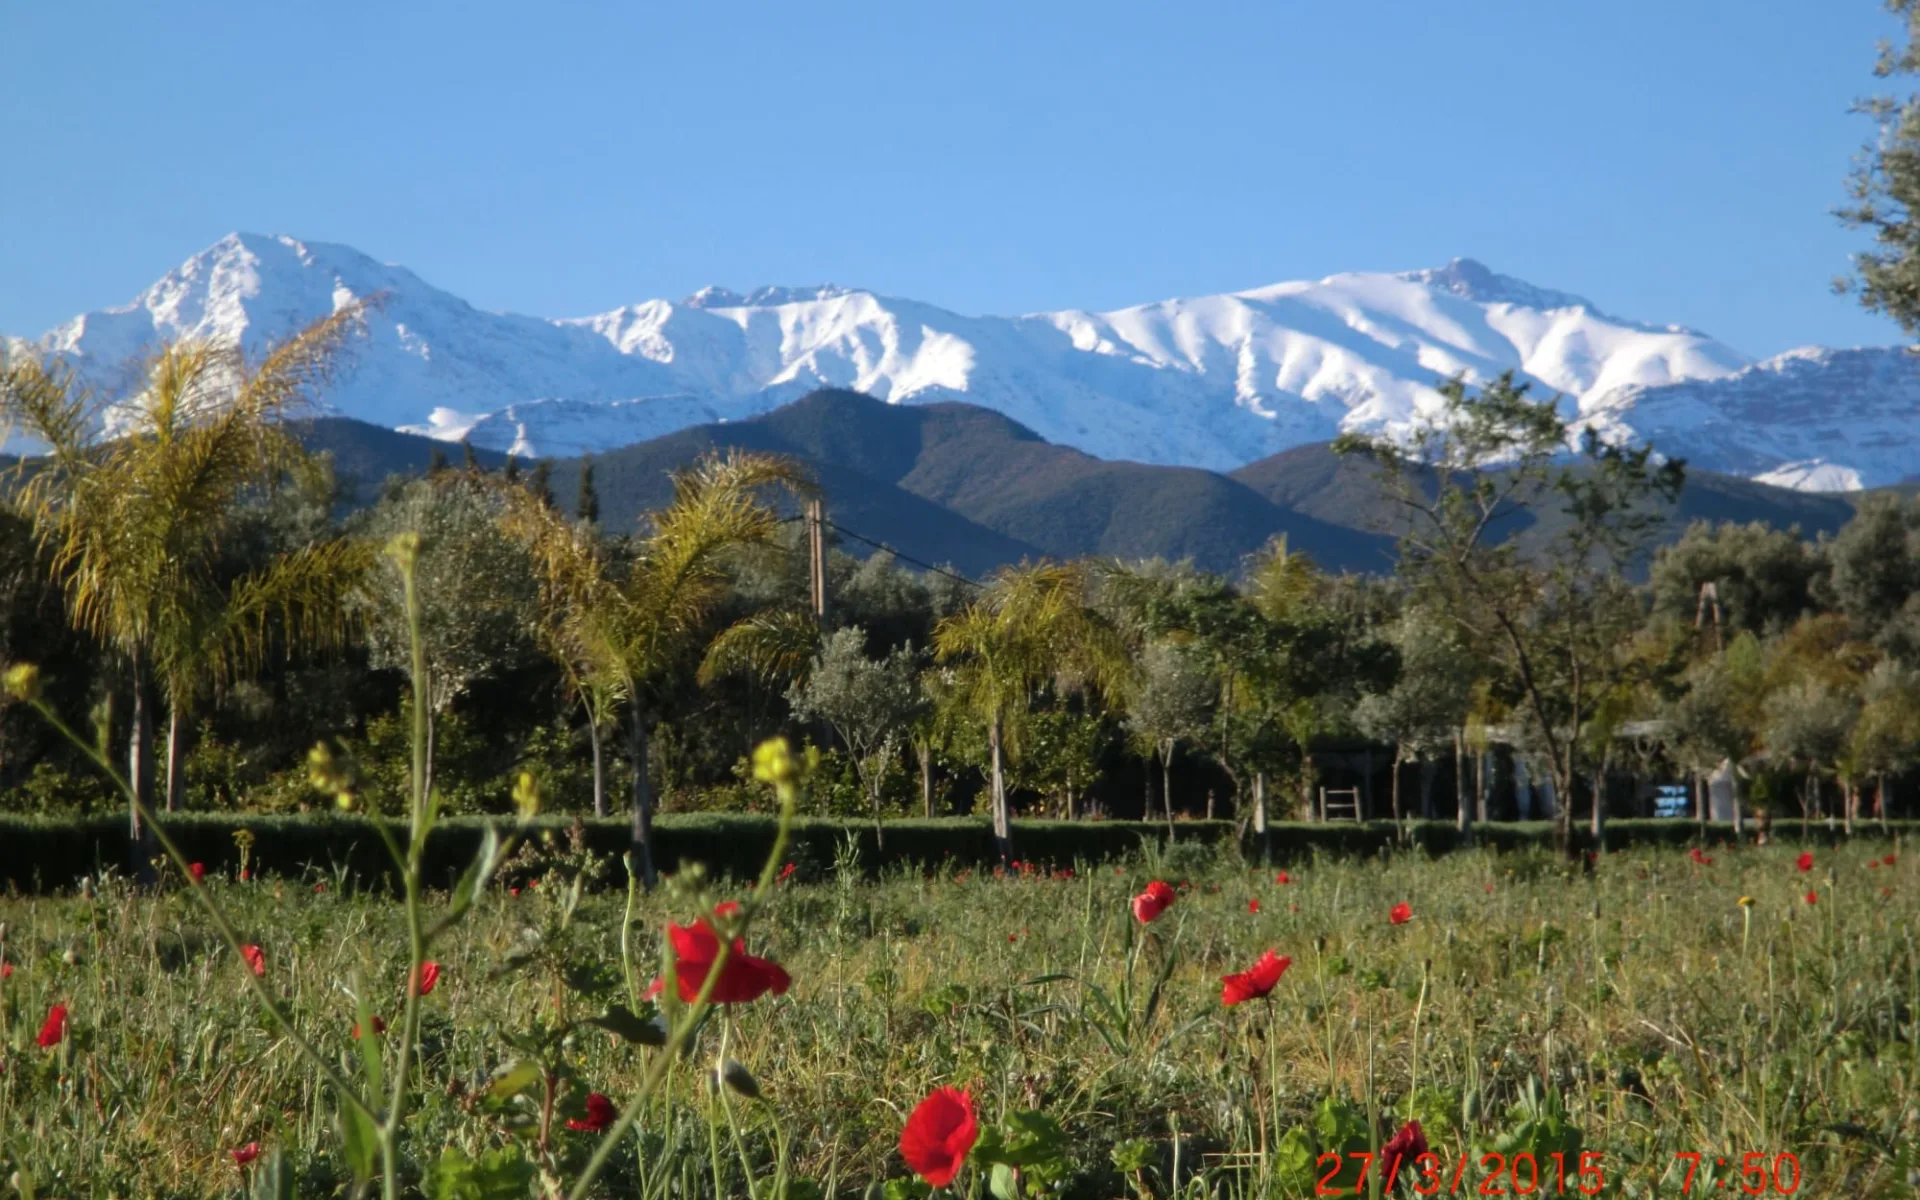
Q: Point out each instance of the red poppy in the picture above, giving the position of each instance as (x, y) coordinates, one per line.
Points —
(318, 888)
(1805, 861)
(513, 891)
(256, 958)
(1283, 877)
(1402, 1149)
(1254, 982)
(1700, 856)
(429, 977)
(1489, 889)
(55, 1027)
(1253, 905)
(1874, 865)
(197, 870)
(1401, 914)
(1889, 860)
(600, 1114)
(939, 1133)
(786, 871)
(379, 1027)
(244, 875)
(6, 970)
(1148, 905)
(726, 908)
(1813, 897)
(245, 1154)
(743, 980)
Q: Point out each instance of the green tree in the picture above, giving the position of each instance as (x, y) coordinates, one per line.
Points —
(134, 505)
(1030, 626)
(475, 584)
(1480, 460)
(870, 702)
(1762, 577)
(1427, 700)
(1875, 577)
(587, 505)
(1886, 183)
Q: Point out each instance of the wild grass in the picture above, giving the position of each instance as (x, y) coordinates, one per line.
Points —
(1666, 1016)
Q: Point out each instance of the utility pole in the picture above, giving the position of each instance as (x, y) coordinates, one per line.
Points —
(817, 560)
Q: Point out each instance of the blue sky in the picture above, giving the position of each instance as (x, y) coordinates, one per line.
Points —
(1673, 160)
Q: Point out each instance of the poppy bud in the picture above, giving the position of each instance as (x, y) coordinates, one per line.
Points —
(736, 1077)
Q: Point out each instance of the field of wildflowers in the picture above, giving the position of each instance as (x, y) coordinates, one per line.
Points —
(1182, 1026)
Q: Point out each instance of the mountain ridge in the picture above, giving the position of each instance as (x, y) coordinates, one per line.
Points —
(1214, 382)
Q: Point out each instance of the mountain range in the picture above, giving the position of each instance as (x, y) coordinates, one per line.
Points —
(963, 486)
(1212, 382)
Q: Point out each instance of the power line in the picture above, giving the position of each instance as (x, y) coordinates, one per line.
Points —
(907, 558)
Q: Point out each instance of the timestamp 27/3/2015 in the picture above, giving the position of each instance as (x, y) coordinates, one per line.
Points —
(1556, 1174)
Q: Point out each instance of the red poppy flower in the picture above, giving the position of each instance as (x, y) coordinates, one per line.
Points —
(55, 1027)
(726, 908)
(744, 979)
(1402, 1149)
(1489, 889)
(1283, 877)
(1254, 982)
(600, 1114)
(1805, 861)
(245, 875)
(513, 891)
(1813, 897)
(1874, 865)
(1148, 905)
(1401, 914)
(379, 1027)
(318, 888)
(1700, 856)
(786, 871)
(1889, 860)
(6, 970)
(939, 1133)
(245, 1154)
(1253, 905)
(256, 958)
(197, 870)
(429, 977)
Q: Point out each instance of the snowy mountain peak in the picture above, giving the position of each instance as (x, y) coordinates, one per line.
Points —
(1209, 381)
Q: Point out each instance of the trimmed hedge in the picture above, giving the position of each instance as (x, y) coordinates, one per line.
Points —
(38, 855)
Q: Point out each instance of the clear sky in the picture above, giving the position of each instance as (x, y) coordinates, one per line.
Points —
(1673, 160)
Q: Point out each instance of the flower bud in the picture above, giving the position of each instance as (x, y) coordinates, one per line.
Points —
(23, 682)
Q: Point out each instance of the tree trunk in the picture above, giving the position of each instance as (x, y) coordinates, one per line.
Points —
(1599, 826)
(1260, 815)
(1002, 821)
(879, 826)
(1733, 786)
(1480, 799)
(1849, 799)
(1700, 800)
(176, 765)
(1166, 782)
(1463, 804)
(642, 800)
(1393, 786)
(140, 774)
(599, 764)
(1882, 803)
(1428, 769)
(925, 752)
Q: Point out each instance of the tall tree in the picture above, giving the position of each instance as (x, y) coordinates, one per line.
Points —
(1031, 626)
(1172, 700)
(1481, 459)
(870, 702)
(587, 505)
(1885, 185)
(134, 505)
(540, 482)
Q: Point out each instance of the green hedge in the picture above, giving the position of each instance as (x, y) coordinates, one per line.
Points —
(39, 855)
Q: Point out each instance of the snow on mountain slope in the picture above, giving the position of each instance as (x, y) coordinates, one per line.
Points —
(1211, 381)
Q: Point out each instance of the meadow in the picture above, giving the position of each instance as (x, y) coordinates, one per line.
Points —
(1570, 1028)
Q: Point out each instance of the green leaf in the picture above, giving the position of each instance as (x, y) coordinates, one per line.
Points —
(477, 875)
(905, 1189)
(1037, 980)
(623, 1023)
(1004, 1182)
(273, 1179)
(1134, 1154)
(360, 1142)
(502, 1174)
(1294, 1159)
(513, 1080)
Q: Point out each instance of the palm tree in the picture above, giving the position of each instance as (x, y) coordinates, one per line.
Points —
(619, 634)
(1029, 627)
(136, 503)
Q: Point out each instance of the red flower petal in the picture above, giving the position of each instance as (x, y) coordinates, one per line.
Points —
(1813, 897)
(54, 1028)
(600, 1114)
(256, 959)
(1805, 861)
(1402, 1150)
(744, 979)
(429, 977)
(197, 870)
(938, 1134)
(1401, 914)
(245, 1154)
(1254, 982)
(1253, 906)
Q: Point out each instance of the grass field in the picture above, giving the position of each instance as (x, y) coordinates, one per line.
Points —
(1638, 1012)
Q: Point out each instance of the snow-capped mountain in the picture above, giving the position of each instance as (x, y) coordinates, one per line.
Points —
(1213, 381)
